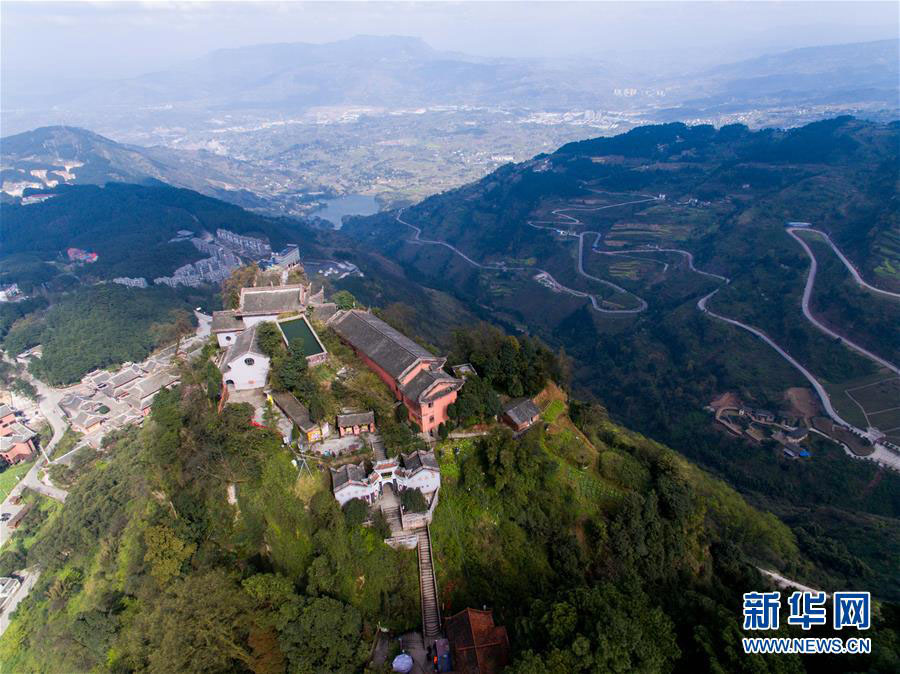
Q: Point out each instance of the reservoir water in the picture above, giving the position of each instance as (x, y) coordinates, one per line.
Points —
(351, 204)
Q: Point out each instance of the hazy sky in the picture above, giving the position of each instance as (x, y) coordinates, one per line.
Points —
(74, 39)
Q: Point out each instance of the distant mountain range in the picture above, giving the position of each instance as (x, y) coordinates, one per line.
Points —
(54, 155)
(402, 72)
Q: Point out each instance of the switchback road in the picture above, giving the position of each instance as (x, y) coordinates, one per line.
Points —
(807, 294)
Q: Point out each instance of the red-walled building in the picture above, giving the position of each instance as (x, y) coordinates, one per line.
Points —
(17, 441)
(414, 374)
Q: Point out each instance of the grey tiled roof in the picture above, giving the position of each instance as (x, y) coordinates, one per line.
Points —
(521, 411)
(356, 419)
(126, 376)
(389, 349)
(419, 385)
(295, 410)
(226, 321)
(20, 433)
(276, 300)
(419, 459)
(244, 343)
(154, 383)
(349, 473)
(5, 410)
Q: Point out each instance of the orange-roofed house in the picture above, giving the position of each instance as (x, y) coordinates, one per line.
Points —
(476, 644)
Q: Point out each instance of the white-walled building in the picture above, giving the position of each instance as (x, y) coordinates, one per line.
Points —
(244, 366)
(256, 306)
(418, 470)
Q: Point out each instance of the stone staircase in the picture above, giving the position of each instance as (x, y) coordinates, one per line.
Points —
(392, 513)
(431, 615)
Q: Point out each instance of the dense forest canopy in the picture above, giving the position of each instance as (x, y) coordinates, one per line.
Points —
(99, 326)
(129, 227)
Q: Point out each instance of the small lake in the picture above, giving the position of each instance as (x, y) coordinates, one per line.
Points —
(351, 204)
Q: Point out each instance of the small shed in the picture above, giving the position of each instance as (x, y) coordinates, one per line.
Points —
(521, 414)
(298, 413)
(355, 423)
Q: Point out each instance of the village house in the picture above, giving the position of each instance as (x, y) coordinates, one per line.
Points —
(414, 375)
(796, 435)
(84, 410)
(17, 441)
(257, 305)
(418, 470)
(311, 431)
(356, 423)
(521, 414)
(285, 259)
(244, 366)
(139, 396)
(7, 418)
(10, 293)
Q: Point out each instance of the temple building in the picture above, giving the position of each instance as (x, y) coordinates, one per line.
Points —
(244, 365)
(356, 423)
(257, 305)
(521, 414)
(414, 374)
(418, 470)
(17, 441)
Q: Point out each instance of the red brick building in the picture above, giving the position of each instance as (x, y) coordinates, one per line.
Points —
(414, 374)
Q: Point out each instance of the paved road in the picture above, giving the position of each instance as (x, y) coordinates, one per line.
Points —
(807, 293)
(853, 271)
(502, 266)
(783, 582)
(29, 578)
(630, 252)
(823, 394)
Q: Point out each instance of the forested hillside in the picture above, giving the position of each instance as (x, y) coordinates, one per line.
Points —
(598, 551)
(99, 326)
(129, 227)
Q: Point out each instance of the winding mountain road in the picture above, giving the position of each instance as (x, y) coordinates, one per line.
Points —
(502, 266)
(860, 281)
(807, 294)
(820, 390)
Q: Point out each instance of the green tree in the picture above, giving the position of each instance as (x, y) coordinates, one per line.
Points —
(355, 512)
(200, 624)
(344, 299)
(23, 388)
(293, 370)
(166, 553)
(213, 381)
(325, 636)
(268, 336)
(413, 501)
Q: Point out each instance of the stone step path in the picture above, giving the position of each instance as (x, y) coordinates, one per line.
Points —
(431, 615)
(392, 513)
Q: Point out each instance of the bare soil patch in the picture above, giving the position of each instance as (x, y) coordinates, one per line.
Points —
(803, 402)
